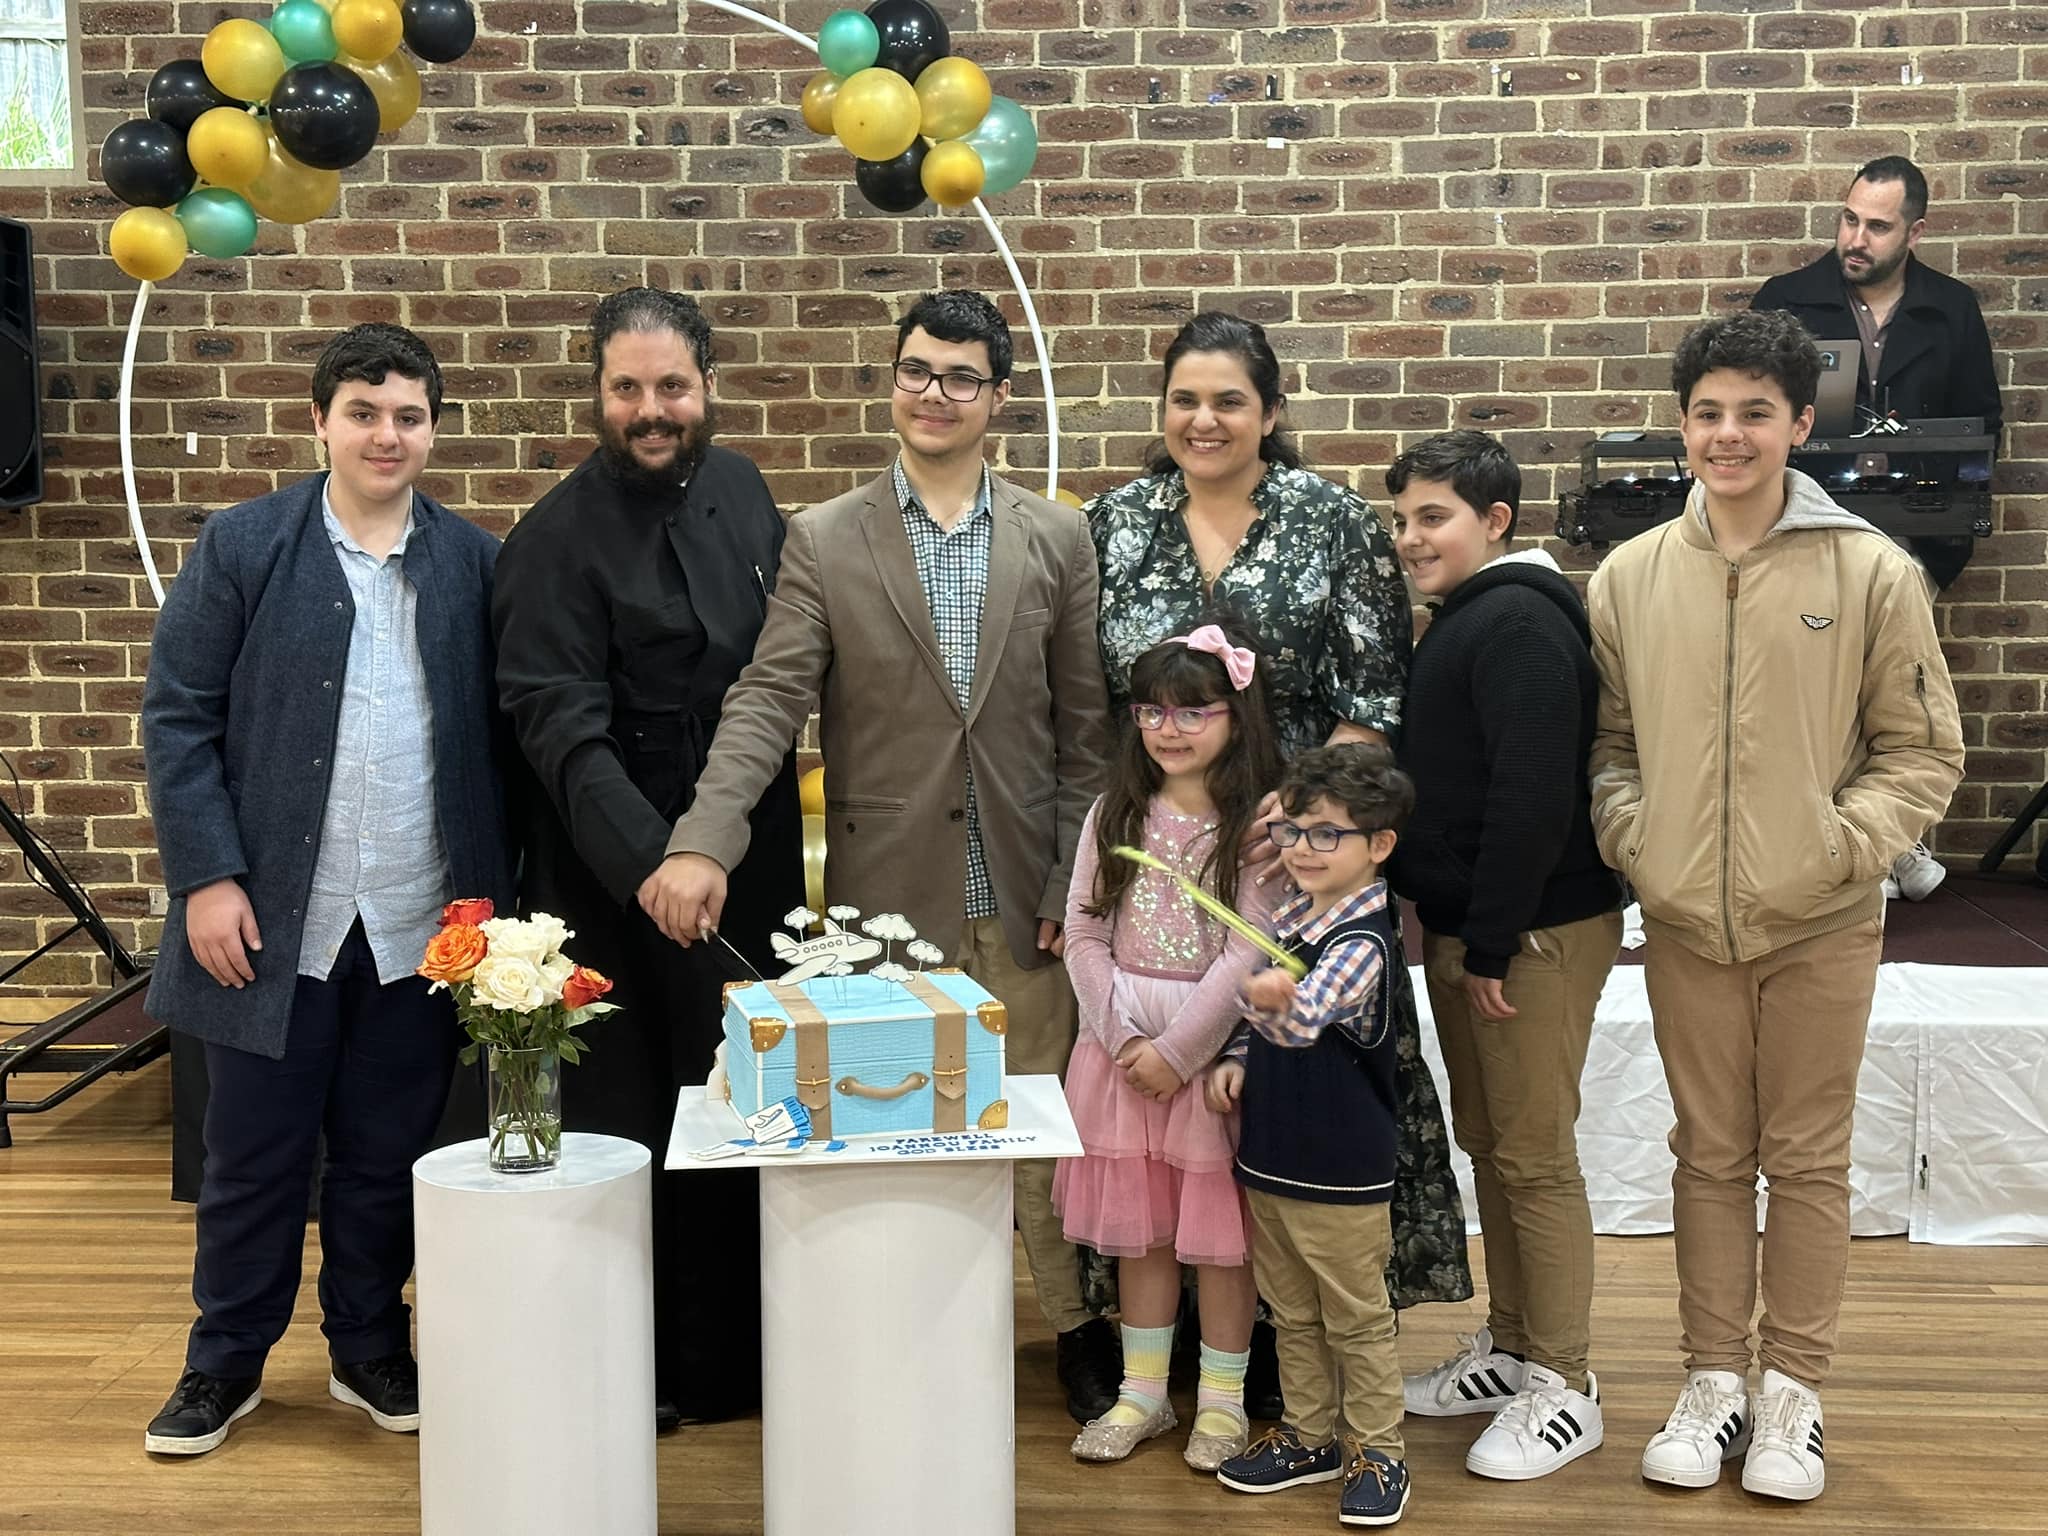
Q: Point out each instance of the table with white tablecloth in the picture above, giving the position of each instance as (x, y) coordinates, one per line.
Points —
(1951, 1136)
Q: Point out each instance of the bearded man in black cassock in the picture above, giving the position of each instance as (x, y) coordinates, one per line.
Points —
(627, 601)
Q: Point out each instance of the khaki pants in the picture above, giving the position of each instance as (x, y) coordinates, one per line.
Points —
(1515, 1111)
(1762, 1059)
(1040, 1039)
(1323, 1272)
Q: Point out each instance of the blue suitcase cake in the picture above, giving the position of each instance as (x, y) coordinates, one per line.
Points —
(869, 1056)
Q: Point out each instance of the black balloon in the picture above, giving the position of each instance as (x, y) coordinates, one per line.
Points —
(325, 115)
(144, 164)
(913, 35)
(439, 31)
(180, 91)
(894, 186)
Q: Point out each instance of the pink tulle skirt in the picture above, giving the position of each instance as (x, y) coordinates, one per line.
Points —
(1154, 1172)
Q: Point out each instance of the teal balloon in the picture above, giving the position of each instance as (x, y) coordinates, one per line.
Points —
(1007, 142)
(847, 44)
(303, 31)
(218, 222)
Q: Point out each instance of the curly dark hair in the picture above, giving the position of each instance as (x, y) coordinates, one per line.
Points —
(649, 311)
(1475, 465)
(1358, 775)
(1214, 331)
(962, 315)
(1764, 343)
(366, 354)
(1238, 780)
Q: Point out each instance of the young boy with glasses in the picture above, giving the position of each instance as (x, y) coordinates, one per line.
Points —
(1316, 1154)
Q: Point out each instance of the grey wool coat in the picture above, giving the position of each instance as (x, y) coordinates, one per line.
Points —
(239, 717)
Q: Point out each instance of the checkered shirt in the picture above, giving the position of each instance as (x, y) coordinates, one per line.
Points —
(1340, 991)
(952, 567)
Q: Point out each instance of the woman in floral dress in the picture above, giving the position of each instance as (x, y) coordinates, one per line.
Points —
(1226, 518)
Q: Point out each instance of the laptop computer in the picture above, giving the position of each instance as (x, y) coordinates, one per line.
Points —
(1834, 404)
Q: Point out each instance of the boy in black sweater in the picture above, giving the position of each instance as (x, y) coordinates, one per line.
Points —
(1316, 1153)
(1521, 925)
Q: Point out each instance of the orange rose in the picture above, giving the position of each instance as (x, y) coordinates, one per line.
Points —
(584, 987)
(453, 953)
(476, 910)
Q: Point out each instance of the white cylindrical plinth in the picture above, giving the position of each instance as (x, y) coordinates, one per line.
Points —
(536, 1342)
(887, 1316)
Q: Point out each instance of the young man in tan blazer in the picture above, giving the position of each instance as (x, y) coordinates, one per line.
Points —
(943, 624)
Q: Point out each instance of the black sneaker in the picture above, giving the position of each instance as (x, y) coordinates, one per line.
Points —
(197, 1417)
(1278, 1459)
(1375, 1488)
(1090, 1361)
(387, 1389)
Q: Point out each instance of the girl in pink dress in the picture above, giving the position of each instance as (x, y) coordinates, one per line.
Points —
(1157, 982)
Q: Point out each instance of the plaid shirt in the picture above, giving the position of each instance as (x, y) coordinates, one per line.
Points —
(952, 567)
(1340, 990)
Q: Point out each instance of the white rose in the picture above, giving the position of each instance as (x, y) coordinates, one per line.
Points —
(508, 982)
(554, 971)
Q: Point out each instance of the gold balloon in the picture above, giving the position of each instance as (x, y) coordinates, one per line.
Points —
(149, 245)
(367, 29)
(228, 147)
(952, 172)
(395, 81)
(814, 847)
(952, 97)
(819, 93)
(1066, 498)
(876, 114)
(290, 193)
(242, 59)
(810, 790)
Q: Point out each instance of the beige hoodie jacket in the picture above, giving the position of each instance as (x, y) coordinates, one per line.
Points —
(1773, 731)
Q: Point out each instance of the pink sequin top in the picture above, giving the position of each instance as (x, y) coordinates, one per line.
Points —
(1157, 931)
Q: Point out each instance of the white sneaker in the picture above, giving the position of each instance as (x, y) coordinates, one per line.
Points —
(1479, 1379)
(1710, 1425)
(1542, 1428)
(1919, 873)
(1890, 887)
(1785, 1458)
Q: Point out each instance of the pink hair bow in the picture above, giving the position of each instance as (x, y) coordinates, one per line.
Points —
(1237, 660)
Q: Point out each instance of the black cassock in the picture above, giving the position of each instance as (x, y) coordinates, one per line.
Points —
(621, 619)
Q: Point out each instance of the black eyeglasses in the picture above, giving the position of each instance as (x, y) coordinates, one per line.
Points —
(1189, 721)
(1322, 837)
(915, 379)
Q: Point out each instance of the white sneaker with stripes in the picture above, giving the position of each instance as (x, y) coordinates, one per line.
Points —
(1546, 1426)
(1786, 1459)
(1709, 1426)
(1478, 1379)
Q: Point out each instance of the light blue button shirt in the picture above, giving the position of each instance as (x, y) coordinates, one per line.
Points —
(381, 855)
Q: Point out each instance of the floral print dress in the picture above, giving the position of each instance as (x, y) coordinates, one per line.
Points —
(1315, 577)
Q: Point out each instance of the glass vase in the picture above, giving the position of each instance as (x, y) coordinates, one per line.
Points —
(524, 1093)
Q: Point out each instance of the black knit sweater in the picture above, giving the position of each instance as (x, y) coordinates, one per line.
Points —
(1498, 724)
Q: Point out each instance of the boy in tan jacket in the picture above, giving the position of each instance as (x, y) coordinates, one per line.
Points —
(1776, 725)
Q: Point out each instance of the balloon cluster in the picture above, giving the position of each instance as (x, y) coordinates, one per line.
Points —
(263, 122)
(918, 122)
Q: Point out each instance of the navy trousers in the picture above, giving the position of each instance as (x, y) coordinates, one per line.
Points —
(368, 1066)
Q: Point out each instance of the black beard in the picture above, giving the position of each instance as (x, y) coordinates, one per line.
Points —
(616, 449)
(1877, 273)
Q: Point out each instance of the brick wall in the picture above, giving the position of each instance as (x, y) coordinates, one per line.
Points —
(1497, 213)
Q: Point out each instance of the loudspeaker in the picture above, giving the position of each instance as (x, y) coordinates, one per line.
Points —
(21, 422)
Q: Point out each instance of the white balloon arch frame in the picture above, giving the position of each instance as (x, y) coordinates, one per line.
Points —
(995, 234)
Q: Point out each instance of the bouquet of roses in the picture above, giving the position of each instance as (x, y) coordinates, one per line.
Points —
(515, 991)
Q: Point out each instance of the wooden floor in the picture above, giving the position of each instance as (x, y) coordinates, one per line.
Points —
(1938, 1416)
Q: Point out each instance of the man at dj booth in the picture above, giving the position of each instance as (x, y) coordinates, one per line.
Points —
(1926, 352)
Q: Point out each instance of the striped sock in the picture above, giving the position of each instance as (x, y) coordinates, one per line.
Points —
(1221, 1391)
(1148, 1353)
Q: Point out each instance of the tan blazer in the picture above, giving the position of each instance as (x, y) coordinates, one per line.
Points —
(849, 632)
